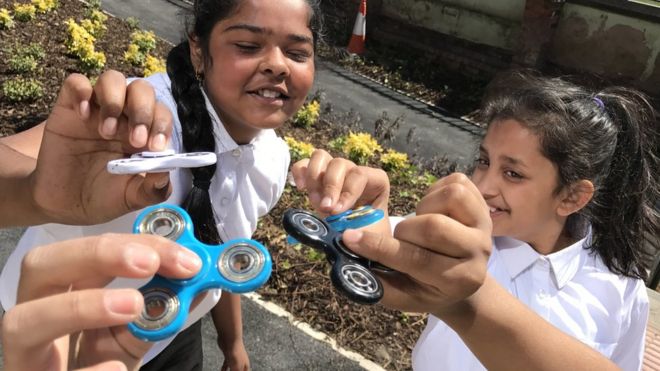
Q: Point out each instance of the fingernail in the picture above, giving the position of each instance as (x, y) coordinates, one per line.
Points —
(189, 260)
(162, 183)
(84, 109)
(141, 258)
(139, 136)
(121, 302)
(327, 202)
(159, 142)
(338, 208)
(352, 236)
(109, 127)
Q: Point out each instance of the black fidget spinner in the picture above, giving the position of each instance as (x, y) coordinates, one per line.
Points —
(351, 274)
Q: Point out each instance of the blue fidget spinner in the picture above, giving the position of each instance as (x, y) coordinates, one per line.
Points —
(237, 266)
(353, 219)
(351, 274)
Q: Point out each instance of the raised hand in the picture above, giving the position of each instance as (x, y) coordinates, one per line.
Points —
(64, 319)
(87, 127)
(335, 185)
(440, 254)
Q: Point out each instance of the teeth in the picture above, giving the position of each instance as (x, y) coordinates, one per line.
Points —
(493, 209)
(268, 93)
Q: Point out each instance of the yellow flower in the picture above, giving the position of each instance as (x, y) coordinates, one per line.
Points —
(153, 65)
(44, 6)
(24, 12)
(361, 147)
(6, 20)
(299, 150)
(308, 114)
(393, 160)
(134, 56)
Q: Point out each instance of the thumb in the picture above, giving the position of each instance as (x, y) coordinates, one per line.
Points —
(148, 190)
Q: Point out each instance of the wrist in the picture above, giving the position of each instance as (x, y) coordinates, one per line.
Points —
(18, 201)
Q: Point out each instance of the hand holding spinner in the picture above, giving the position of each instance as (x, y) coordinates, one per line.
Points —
(353, 219)
(237, 266)
(160, 162)
(351, 274)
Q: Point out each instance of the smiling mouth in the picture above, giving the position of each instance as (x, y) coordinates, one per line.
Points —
(496, 210)
(269, 94)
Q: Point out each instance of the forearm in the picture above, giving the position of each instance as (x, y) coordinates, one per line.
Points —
(16, 202)
(506, 335)
(228, 319)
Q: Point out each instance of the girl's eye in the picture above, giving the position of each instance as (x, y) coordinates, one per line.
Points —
(482, 163)
(513, 174)
(300, 55)
(247, 47)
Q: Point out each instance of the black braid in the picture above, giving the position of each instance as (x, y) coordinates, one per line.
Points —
(197, 129)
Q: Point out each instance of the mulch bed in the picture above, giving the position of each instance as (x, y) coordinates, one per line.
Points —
(300, 281)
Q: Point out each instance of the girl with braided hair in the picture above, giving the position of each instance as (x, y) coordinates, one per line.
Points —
(245, 67)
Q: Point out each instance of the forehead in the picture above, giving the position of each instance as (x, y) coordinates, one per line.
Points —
(513, 140)
(276, 16)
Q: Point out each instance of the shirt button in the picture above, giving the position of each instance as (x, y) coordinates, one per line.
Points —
(236, 152)
(224, 201)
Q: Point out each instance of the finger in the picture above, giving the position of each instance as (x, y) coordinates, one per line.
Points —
(140, 110)
(75, 94)
(161, 128)
(459, 200)
(377, 190)
(109, 95)
(106, 366)
(95, 261)
(417, 261)
(335, 184)
(353, 188)
(35, 324)
(318, 163)
(299, 172)
(150, 189)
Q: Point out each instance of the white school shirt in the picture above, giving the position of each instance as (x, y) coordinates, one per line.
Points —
(248, 182)
(572, 289)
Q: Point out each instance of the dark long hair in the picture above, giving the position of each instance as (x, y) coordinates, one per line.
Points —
(609, 137)
(195, 120)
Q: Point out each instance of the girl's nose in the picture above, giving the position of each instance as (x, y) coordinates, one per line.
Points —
(275, 63)
(485, 182)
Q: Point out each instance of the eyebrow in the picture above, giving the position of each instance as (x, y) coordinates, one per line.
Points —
(261, 30)
(506, 159)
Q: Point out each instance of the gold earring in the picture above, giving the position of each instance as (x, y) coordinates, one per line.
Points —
(199, 76)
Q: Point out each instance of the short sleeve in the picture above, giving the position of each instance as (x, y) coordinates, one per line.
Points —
(629, 352)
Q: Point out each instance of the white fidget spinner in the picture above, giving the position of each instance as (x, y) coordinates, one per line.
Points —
(160, 162)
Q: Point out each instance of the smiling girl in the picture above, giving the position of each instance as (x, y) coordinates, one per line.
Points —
(566, 186)
(244, 69)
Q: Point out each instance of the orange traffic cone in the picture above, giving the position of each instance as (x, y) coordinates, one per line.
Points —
(356, 45)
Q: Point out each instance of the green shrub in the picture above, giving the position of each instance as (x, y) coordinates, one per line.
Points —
(145, 41)
(133, 23)
(22, 63)
(25, 58)
(94, 4)
(21, 90)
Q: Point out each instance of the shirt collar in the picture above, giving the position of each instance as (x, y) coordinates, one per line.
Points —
(518, 256)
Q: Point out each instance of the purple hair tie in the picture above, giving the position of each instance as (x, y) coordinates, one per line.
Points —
(599, 103)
